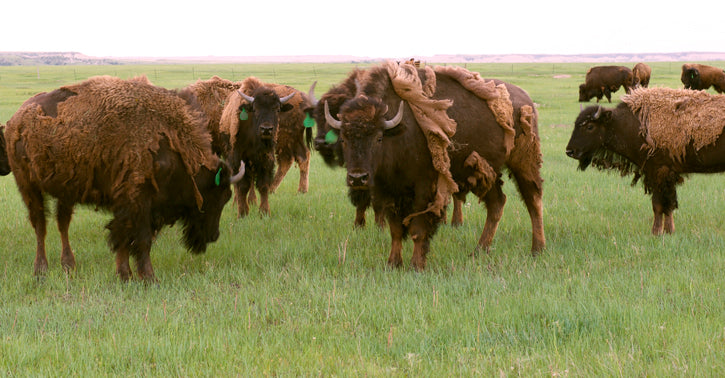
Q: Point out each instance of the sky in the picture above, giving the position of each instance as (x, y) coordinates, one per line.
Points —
(368, 28)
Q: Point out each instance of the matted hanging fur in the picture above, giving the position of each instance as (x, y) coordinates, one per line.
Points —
(672, 119)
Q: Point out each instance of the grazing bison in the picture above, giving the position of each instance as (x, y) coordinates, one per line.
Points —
(701, 77)
(603, 81)
(4, 164)
(439, 138)
(641, 75)
(126, 146)
(251, 121)
(657, 134)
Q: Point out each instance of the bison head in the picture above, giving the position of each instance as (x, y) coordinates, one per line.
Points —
(361, 126)
(4, 164)
(690, 77)
(202, 226)
(263, 108)
(327, 141)
(589, 135)
(586, 93)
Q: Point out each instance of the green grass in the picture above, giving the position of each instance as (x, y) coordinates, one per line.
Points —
(302, 293)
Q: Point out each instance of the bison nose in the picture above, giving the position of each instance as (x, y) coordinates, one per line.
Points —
(266, 129)
(357, 179)
(570, 153)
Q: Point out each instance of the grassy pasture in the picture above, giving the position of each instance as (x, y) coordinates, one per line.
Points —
(302, 293)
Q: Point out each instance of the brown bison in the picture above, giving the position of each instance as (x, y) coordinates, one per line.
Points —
(4, 164)
(251, 120)
(657, 134)
(701, 77)
(211, 95)
(603, 81)
(126, 146)
(411, 167)
(641, 75)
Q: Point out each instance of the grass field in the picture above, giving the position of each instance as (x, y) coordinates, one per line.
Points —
(302, 293)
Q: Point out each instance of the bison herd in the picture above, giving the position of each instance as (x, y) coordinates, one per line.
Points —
(411, 139)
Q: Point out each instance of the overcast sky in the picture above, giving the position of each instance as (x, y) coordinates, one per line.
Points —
(365, 28)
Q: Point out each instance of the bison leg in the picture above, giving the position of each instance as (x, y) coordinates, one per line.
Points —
(457, 218)
(304, 165)
(264, 201)
(360, 216)
(123, 269)
(283, 165)
(241, 189)
(531, 193)
(421, 242)
(664, 201)
(395, 260)
(36, 210)
(495, 200)
(64, 213)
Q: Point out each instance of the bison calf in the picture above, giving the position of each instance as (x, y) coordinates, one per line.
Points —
(125, 146)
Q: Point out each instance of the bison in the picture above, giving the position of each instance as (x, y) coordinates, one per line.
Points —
(125, 146)
(701, 77)
(603, 81)
(387, 151)
(251, 120)
(4, 164)
(211, 95)
(657, 134)
(641, 74)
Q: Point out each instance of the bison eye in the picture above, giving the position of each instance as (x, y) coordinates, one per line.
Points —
(380, 139)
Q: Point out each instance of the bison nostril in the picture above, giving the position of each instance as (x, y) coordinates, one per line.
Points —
(357, 179)
(569, 153)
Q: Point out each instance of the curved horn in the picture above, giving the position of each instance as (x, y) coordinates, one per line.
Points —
(284, 99)
(311, 94)
(249, 99)
(335, 124)
(597, 114)
(396, 120)
(236, 178)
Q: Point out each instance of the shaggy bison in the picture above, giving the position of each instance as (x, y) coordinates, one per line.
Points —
(657, 134)
(413, 137)
(125, 146)
(603, 81)
(701, 77)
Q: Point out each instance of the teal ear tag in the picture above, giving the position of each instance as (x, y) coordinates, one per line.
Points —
(331, 137)
(243, 115)
(309, 121)
(218, 177)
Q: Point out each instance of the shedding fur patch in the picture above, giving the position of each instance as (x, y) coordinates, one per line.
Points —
(671, 119)
(484, 175)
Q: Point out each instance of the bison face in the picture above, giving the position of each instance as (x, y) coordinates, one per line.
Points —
(589, 135)
(586, 93)
(327, 142)
(263, 107)
(4, 164)
(362, 126)
(202, 226)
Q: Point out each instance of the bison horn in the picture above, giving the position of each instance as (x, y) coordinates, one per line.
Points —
(249, 99)
(335, 124)
(396, 120)
(284, 99)
(311, 94)
(597, 114)
(238, 177)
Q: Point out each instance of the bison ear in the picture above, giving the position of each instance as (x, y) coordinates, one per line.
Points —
(286, 107)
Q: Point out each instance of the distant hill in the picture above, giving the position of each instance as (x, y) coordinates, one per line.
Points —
(50, 59)
(71, 58)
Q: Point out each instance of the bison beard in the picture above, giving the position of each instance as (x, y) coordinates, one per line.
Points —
(139, 151)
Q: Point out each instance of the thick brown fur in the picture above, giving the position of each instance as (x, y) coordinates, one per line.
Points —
(614, 139)
(125, 146)
(641, 74)
(603, 81)
(4, 164)
(701, 77)
(397, 166)
(212, 95)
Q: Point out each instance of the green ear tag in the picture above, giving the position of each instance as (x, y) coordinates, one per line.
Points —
(309, 121)
(331, 137)
(243, 115)
(218, 177)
